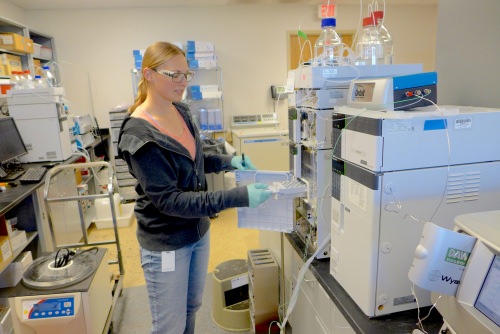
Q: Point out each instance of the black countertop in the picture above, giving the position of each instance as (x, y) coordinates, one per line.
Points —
(401, 322)
(15, 194)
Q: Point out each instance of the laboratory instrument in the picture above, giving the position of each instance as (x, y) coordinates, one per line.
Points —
(410, 168)
(38, 111)
(427, 137)
(264, 143)
(340, 76)
(75, 298)
(475, 307)
(394, 93)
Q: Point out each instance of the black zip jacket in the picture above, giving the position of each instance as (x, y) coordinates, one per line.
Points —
(173, 206)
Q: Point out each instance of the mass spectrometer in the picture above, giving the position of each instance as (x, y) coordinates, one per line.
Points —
(392, 173)
(43, 122)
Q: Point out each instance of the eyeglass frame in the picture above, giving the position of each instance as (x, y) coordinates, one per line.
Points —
(175, 76)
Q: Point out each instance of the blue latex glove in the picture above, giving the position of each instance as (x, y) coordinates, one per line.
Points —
(242, 163)
(257, 194)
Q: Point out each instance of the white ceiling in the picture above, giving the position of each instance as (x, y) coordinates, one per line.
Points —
(88, 4)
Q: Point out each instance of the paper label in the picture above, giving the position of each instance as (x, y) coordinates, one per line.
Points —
(168, 261)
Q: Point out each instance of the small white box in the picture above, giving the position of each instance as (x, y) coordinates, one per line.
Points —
(36, 49)
(18, 239)
(45, 52)
(202, 63)
(14, 272)
(200, 46)
(123, 220)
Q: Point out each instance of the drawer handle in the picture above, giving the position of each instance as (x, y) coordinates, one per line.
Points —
(309, 280)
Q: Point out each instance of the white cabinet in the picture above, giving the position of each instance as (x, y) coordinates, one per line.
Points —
(314, 311)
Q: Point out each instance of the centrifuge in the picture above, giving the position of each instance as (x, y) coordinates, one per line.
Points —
(73, 296)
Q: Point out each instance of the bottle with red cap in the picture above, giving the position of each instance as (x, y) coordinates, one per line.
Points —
(370, 49)
(385, 37)
(328, 47)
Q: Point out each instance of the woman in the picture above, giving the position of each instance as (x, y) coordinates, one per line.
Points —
(163, 151)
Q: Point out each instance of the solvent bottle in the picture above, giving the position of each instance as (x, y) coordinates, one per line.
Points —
(369, 49)
(385, 37)
(49, 76)
(39, 82)
(16, 80)
(328, 47)
(28, 80)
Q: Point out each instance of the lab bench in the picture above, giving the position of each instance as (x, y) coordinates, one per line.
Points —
(26, 202)
(340, 314)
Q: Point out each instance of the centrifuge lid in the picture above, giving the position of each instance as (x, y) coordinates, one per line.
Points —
(43, 274)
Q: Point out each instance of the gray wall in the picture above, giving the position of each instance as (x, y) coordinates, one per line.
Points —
(467, 52)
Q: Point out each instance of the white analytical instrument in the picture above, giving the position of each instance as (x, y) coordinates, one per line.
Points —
(393, 171)
(264, 143)
(43, 123)
(319, 91)
(395, 93)
(475, 308)
(75, 298)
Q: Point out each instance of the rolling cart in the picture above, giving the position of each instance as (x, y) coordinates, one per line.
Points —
(83, 306)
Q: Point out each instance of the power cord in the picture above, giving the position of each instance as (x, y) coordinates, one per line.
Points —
(62, 260)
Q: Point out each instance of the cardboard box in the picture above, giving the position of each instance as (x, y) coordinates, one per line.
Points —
(5, 250)
(37, 67)
(18, 239)
(15, 42)
(11, 63)
(13, 274)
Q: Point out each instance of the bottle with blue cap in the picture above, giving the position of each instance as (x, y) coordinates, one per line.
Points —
(328, 48)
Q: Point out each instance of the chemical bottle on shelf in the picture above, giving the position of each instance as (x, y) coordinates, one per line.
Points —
(203, 118)
(28, 80)
(385, 37)
(15, 80)
(49, 76)
(328, 47)
(369, 49)
(39, 82)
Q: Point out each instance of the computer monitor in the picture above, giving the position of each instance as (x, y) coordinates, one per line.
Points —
(11, 143)
(476, 306)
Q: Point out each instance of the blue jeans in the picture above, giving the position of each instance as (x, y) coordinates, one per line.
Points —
(175, 296)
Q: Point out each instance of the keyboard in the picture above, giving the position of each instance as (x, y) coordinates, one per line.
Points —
(33, 175)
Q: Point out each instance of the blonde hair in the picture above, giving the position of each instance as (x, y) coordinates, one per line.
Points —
(156, 54)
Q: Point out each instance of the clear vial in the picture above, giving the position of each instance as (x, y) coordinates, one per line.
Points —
(385, 37)
(370, 49)
(328, 47)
